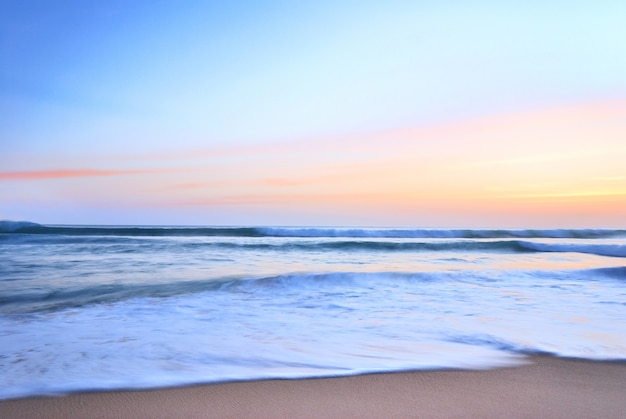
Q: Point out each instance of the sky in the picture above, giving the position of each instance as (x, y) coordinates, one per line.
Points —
(473, 114)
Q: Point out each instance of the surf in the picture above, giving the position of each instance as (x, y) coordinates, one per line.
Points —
(26, 227)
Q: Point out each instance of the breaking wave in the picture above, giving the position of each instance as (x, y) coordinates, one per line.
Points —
(24, 227)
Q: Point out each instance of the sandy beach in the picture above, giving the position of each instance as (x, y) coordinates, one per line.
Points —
(546, 387)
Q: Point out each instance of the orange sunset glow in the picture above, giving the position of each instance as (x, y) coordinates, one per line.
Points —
(557, 165)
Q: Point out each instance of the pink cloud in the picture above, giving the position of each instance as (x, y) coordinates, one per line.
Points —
(71, 173)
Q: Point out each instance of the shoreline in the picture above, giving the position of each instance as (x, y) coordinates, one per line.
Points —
(546, 387)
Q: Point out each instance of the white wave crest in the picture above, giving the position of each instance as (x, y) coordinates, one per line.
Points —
(615, 250)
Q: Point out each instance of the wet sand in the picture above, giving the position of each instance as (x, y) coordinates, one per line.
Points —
(546, 387)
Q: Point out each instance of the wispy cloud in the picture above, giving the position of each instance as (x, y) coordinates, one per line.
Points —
(609, 178)
(72, 173)
(572, 194)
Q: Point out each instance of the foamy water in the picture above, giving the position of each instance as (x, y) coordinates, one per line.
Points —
(97, 308)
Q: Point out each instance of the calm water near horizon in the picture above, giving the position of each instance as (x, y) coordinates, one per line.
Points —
(110, 307)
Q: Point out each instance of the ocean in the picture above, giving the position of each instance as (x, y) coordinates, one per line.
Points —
(86, 308)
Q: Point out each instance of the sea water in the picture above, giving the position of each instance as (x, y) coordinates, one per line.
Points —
(117, 307)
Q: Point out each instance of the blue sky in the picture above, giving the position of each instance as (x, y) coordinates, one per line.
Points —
(110, 85)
